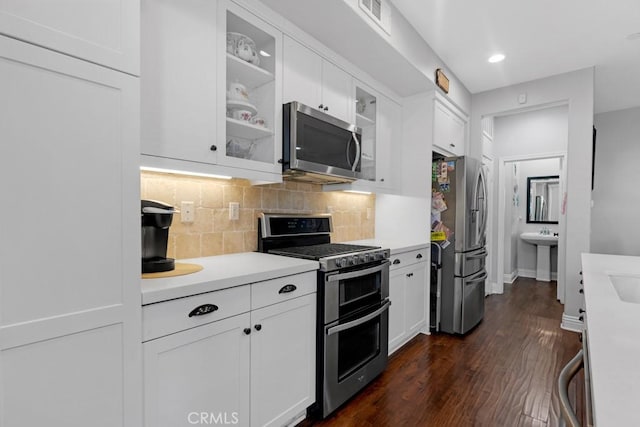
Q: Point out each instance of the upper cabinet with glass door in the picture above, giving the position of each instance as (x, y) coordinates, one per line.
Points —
(249, 89)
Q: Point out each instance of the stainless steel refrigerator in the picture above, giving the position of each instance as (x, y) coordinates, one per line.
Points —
(458, 225)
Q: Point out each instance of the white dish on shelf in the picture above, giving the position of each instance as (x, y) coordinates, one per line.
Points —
(236, 104)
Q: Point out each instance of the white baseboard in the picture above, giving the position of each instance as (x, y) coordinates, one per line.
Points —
(524, 272)
(510, 278)
(492, 288)
(571, 323)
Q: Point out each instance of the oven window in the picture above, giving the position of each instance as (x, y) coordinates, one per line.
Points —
(359, 292)
(357, 346)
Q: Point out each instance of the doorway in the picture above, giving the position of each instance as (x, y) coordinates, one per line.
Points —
(514, 217)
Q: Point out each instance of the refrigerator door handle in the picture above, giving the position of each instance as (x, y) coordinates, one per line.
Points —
(483, 183)
(483, 277)
(480, 255)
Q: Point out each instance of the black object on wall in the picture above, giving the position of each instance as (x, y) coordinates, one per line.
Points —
(593, 158)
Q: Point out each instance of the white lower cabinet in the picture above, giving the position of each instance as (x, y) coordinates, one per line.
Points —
(408, 313)
(283, 361)
(199, 375)
(254, 368)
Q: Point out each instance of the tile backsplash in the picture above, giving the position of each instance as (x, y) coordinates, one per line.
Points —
(212, 233)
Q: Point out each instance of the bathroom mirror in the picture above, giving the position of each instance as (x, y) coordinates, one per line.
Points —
(543, 199)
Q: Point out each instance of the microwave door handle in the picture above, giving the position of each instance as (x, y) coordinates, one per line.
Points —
(359, 321)
(358, 152)
(347, 153)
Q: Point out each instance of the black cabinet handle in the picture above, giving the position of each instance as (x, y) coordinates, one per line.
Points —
(581, 291)
(258, 327)
(287, 288)
(381, 179)
(581, 310)
(326, 108)
(321, 106)
(213, 148)
(203, 309)
(419, 256)
(581, 318)
(409, 274)
(247, 331)
(581, 272)
(581, 281)
(280, 161)
(396, 261)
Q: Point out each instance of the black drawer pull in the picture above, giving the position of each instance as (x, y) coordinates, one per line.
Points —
(581, 318)
(396, 261)
(287, 288)
(246, 331)
(203, 309)
(258, 327)
(419, 256)
(581, 291)
(581, 311)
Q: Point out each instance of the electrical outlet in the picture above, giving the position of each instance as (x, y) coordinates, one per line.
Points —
(234, 211)
(187, 212)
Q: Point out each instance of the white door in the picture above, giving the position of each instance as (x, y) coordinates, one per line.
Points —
(336, 90)
(199, 376)
(70, 262)
(105, 32)
(416, 297)
(388, 141)
(397, 310)
(283, 354)
(179, 59)
(301, 73)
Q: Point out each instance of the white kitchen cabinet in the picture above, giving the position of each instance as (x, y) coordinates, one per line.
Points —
(449, 128)
(178, 93)
(105, 32)
(312, 80)
(408, 313)
(283, 350)
(199, 371)
(70, 307)
(381, 122)
(241, 144)
(251, 359)
(187, 71)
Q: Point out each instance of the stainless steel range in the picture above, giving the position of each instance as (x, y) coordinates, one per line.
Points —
(353, 303)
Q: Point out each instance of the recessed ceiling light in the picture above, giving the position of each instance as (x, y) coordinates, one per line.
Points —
(634, 36)
(496, 58)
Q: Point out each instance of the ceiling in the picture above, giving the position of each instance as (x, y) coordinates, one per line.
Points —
(539, 38)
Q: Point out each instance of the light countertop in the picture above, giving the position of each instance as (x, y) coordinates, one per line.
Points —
(221, 272)
(613, 331)
(395, 245)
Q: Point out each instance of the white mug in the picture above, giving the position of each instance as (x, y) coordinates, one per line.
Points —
(244, 50)
(242, 115)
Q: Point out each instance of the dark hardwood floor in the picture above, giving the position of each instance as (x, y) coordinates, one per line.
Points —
(503, 373)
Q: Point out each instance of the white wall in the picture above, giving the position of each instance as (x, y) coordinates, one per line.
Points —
(576, 90)
(615, 217)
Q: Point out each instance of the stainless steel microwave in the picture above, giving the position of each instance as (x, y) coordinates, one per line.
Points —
(319, 148)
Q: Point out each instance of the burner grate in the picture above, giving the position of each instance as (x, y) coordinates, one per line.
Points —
(320, 251)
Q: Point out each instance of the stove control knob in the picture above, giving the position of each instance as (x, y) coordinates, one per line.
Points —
(354, 260)
(339, 262)
(365, 258)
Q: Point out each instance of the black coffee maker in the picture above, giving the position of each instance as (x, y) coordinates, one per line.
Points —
(156, 219)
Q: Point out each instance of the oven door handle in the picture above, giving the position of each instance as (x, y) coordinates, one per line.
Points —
(359, 321)
(357, 273)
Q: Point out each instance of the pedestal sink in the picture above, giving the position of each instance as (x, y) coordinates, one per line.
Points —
(543, 257)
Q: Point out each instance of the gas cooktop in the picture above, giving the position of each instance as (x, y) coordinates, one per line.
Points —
(323, 250)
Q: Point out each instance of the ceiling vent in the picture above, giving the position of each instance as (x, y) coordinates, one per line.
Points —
(379, 12)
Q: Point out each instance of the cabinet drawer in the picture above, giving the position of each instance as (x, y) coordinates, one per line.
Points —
(282, 289)
(407, 258)
(168, 317)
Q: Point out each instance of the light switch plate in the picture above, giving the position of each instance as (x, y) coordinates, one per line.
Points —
(234, 211)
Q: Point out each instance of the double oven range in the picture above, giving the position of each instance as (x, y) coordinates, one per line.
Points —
(353, 303)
